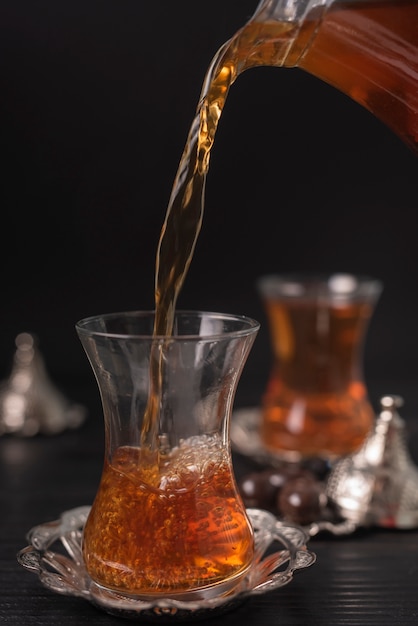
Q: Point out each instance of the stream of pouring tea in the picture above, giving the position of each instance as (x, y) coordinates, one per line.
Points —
(184, 214)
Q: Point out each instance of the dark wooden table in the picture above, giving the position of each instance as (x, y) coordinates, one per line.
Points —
(367, 578)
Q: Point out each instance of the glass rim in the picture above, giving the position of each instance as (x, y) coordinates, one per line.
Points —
(84, 326)
(336, 285)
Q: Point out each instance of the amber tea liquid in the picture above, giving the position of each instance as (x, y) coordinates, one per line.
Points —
(316, 402)
(369, 50)
(179, 529)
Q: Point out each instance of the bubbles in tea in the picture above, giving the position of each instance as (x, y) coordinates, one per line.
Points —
(180, 528)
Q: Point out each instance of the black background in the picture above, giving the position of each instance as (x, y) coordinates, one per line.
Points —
(96, 99)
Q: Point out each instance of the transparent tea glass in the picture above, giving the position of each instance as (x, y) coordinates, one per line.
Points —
(316, 401)
(167, 519)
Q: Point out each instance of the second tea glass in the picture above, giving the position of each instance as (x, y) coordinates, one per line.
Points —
(316, 401)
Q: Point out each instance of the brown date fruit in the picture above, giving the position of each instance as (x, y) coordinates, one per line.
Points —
(301, 500)
(261, 489)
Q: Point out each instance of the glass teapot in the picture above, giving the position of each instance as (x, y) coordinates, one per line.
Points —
(368, 49)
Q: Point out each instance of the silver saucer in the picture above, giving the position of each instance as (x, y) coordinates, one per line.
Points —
(54, 554)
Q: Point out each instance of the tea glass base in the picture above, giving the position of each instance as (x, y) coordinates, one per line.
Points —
(54, 553)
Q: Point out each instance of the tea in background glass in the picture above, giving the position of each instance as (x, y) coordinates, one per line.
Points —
(316, 402)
